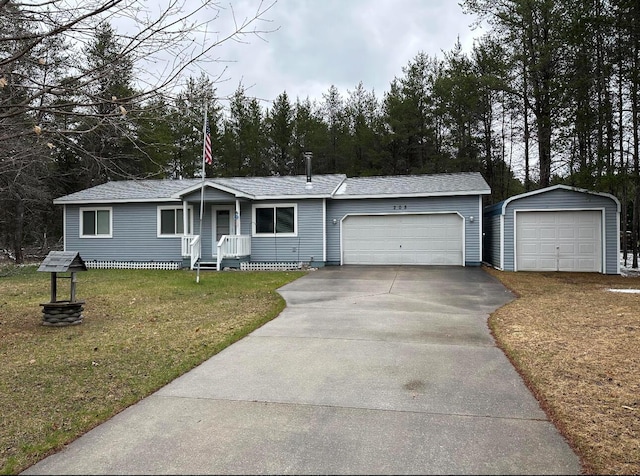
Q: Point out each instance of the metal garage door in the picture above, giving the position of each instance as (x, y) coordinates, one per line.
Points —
(403, 239)
(559, 241)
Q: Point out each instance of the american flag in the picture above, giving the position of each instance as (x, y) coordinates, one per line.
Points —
(207, 144)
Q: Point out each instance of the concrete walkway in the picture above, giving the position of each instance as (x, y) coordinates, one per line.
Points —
(369, 370)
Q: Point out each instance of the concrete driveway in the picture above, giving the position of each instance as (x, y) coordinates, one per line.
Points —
(369, 370)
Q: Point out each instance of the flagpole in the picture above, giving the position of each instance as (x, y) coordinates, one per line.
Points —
(204, 145)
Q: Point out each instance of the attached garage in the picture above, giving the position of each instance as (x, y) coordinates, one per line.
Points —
(404, 239)
(407, 220)
(558, 228)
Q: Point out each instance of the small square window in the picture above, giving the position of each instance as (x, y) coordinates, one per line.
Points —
(95, 223)
(171, 223)
(285, 220)
(275, 220)
(264, 220)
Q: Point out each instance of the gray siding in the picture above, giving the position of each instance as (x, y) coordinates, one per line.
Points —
(467, 206)
(135, 229)
(492, 240)
(134, 235)
(303, 247)
(210, 195)
(561, 199)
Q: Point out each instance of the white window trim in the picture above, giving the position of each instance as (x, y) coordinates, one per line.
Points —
(172, 207)
(274, 205)
(95, 209)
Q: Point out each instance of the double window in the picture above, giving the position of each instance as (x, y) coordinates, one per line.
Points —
(95, 222)
(275, 220)
(171, 220)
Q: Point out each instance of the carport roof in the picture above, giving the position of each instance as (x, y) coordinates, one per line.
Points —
(501, 207)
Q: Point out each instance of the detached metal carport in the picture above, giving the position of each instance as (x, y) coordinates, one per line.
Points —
(559, 228)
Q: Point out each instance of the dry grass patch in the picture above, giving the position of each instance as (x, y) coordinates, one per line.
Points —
(577, 345)
(141, 330)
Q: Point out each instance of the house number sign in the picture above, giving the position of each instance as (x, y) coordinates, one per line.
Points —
(399, 207)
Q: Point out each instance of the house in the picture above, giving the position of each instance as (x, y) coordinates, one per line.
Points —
(263, 222)
(559, 228)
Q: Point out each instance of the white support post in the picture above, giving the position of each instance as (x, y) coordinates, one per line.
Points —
(237, 217)
(185, 221)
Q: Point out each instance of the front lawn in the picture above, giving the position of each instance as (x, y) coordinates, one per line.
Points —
(141, 330)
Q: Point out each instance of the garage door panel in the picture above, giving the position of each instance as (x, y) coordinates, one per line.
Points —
(544, 249)
(547, 233)
(403, 239)
(566, 249)
(559, 240)
(586, 248)
(587, 233)
(530, 248)
(545, 264)
(567, 233)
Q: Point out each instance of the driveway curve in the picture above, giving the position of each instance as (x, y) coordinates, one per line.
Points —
(369, 370)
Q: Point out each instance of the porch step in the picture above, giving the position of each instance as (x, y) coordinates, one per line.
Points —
(208, 265)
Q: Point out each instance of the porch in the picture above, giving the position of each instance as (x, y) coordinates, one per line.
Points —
(228, 247)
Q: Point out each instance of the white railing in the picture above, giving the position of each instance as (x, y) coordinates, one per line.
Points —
(186, 245)
(191, 248)
(233, 246)
(229, 246)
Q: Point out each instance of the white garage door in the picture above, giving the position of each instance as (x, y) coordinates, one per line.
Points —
(559, 241)
(403, 239)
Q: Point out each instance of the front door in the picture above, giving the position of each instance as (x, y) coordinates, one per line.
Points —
(222, 225)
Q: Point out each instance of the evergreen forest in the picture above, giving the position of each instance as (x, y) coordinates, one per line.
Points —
(550, 94)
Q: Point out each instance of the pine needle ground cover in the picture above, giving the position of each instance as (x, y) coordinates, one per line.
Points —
(577, 345)
(141, 330)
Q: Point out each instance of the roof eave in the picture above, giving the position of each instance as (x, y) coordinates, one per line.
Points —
(93, 201)
(414, 195)
(558, 187)
(292, 197)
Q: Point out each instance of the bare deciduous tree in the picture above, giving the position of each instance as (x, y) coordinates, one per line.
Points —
(51, 95)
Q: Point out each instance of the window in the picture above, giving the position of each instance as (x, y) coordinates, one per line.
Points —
(275, 220)
(171, 223)
(95, 223)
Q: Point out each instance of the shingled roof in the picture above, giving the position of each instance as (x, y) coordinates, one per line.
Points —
(295, 186)
(466, 183)
(289, 186)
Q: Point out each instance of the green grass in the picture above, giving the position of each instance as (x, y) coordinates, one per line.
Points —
(141, 330)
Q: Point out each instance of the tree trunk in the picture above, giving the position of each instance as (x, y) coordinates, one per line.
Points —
(527, 176)
(19, 231)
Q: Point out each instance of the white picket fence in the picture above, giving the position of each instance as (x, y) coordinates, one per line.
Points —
(165, 265)
(282, 266)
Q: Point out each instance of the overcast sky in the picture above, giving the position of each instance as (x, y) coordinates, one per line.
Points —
(319, 43)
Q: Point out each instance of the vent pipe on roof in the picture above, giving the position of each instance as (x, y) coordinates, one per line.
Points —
(307, 163)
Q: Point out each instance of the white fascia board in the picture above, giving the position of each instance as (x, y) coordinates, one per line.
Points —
(557, 187)
(411, 195)
(117, 200)
(290, 197)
